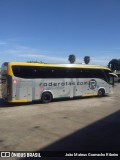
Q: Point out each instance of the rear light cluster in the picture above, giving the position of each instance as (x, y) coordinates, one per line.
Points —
(14, 81)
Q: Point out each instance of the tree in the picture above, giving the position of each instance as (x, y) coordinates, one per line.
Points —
(119, 62)
(114, 64)
(86, 59)
(34, 62)
(72, 58)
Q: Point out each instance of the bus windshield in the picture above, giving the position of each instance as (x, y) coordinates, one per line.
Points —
(110, 77)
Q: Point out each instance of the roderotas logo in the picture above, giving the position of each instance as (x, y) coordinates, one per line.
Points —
(92, 84)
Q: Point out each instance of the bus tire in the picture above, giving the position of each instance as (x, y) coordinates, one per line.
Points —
(46, 97)
(101, 92)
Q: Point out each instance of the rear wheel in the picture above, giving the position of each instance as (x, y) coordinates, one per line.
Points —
(46, 97)
(101, 92)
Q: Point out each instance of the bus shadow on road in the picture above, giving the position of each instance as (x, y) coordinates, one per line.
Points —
(7, 104)
(79, 98)
(101, 136)
(4, 104)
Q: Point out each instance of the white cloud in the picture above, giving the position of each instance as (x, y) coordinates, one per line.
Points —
(2, 43)
(13, 52)
(24, 53)
(50, 59)
(101, 60)
(98, 60)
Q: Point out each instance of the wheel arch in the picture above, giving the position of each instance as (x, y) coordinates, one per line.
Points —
(49, 91)
(103, 89)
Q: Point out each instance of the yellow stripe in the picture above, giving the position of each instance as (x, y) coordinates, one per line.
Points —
(9, 69)
(10, 64)
(18, 101)
(86, 95)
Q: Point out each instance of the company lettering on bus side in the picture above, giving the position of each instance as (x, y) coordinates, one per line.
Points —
(63, 84)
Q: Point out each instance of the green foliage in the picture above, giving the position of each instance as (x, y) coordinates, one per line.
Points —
(34, 62)
(114, 64)
(87, 59)
(72, 58)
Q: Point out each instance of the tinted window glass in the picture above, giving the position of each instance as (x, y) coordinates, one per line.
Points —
(52, 72)
(23, 71)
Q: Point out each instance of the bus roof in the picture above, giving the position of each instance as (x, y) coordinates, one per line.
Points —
(58, 65)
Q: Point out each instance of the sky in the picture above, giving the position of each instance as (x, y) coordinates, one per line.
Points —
(51, 30)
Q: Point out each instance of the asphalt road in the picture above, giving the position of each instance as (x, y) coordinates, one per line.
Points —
(85, 124)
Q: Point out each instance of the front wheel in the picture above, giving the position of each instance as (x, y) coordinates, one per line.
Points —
(46, 97)
(101, 92)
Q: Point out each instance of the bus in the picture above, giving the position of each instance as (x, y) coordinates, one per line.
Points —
(26, 82)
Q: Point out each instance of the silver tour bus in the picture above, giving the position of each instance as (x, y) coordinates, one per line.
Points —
(25, 82)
